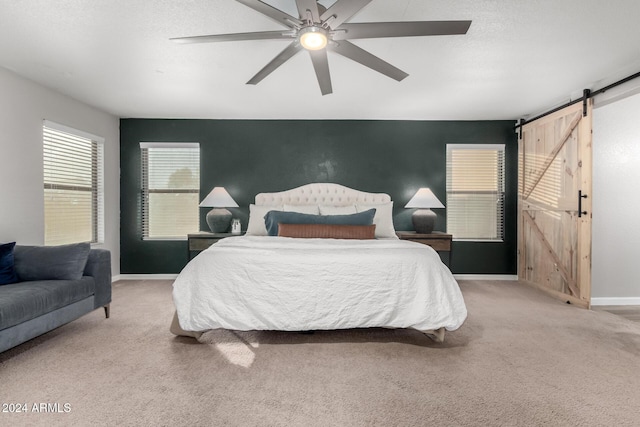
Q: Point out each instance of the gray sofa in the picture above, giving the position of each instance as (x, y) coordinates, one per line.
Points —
(55, 286)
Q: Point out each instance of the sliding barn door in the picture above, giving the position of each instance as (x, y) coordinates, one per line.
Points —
(554, 204)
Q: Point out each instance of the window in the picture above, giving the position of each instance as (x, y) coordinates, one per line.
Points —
(73, 185)
(170, 190)
(475, 191)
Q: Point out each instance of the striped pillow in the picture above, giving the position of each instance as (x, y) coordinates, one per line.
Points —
(327, 231)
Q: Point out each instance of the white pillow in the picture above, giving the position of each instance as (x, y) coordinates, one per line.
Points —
(383, 219)
(256, 225)
(337, 210)
(305, 209)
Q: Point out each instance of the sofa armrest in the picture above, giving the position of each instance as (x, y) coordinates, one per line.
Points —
(99, 267)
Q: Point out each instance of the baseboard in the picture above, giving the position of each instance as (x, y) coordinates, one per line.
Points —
(594, 301)
(485, 276)
(616, 301)
(173, 277)
(147, 276)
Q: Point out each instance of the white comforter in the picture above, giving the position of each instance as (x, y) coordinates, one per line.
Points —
(279, 283)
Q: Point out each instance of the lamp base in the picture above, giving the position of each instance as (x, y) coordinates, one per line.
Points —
(219, 220)
(423, 221)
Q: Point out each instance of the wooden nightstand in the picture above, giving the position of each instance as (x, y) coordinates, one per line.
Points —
(439, 241)
(198, 242)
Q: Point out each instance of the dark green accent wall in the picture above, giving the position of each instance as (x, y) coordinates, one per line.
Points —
(253, 156)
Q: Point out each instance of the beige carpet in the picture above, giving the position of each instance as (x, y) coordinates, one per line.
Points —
(521, 359)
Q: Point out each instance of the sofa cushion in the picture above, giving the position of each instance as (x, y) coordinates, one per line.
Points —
(7, 268)
(24, 301)
(64, 262)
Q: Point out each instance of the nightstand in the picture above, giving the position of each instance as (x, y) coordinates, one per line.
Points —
(198, 242)
(439, 241)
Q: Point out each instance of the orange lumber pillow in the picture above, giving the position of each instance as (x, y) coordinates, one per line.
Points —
(327, 231)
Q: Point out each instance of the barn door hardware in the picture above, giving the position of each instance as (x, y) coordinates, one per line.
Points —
(580, 197)
(520, 130)
(585, 96)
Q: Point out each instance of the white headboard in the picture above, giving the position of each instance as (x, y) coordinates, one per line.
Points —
(322, 194)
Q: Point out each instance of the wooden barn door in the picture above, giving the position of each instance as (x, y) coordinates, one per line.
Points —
(554, 222)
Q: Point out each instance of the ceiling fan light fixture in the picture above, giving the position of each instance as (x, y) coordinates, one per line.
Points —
(313, 38)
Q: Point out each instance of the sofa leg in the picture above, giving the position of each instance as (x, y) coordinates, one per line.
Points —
(106, 310)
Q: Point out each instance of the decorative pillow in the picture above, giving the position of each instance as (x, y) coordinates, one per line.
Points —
(383, 219)
(64, 262)
(337, 210)
(273, 218)
(307, 209)
(7, 267)
(256, 227)
(327, 231)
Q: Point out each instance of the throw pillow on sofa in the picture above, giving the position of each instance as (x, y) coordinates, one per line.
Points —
(7, 267)
(64, 262)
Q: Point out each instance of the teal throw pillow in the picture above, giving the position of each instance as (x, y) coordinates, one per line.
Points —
(7, 267)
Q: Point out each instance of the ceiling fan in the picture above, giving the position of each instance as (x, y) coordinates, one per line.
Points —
(319, 29)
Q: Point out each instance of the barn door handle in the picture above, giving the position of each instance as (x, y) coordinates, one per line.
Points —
(580, 197)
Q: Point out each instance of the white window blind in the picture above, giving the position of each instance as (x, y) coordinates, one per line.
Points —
(475, 191)
(170, 190)
(73, 185)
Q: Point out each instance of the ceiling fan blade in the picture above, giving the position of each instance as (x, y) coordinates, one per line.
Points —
(321, 65)
(282, 57)
(342, 10)
(372, 30)
(262, 35)
(367, 59)
(311, 6)
(273, 13)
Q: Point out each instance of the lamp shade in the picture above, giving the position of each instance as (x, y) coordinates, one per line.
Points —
(424, 198)
(218, 198)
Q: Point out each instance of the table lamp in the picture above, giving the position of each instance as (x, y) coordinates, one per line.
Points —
(424, 218)
(218, 218)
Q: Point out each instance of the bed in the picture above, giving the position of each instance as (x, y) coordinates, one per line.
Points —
(262, 282)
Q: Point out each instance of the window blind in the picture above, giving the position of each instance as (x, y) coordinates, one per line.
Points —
(475, 191)
(170, 190)
(73, 185)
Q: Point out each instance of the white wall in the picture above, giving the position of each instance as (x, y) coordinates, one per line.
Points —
(616, 200)
(23, 106)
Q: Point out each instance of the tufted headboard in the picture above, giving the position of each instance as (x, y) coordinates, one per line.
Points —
(321, 194)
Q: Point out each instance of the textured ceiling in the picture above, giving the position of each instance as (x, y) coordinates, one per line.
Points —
(518, 58)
